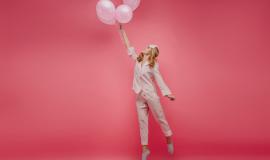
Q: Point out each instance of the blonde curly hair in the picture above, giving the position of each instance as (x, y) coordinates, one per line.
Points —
(154, 52)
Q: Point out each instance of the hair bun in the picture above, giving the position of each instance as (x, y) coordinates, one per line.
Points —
(152, 45)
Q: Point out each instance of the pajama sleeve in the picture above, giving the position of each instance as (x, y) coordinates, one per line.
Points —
(160, 82)
(132, 53)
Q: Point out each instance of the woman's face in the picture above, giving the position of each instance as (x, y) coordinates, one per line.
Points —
(146, 52)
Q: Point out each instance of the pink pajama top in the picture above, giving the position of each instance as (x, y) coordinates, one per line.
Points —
(144, 77)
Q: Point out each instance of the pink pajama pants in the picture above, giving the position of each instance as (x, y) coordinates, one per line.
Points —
(144, 102)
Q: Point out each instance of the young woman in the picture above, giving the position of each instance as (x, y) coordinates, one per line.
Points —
(146, 69)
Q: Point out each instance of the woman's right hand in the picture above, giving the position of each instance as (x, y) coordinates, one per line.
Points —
(171, 97)
(120, 26)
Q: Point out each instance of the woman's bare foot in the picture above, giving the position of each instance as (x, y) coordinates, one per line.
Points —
(170, 144)
(145, 152)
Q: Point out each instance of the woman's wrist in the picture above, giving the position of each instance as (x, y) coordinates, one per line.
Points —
(170, 96)
(120, 26)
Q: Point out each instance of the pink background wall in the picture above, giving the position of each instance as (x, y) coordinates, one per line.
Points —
(65, 86)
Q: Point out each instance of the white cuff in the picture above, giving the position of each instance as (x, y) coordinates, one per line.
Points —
(131, 50)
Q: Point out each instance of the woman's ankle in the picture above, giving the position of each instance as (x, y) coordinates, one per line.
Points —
(145, 147)
(169, 140)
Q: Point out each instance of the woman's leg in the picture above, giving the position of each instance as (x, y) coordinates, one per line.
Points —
(159, 115)
(143, 112)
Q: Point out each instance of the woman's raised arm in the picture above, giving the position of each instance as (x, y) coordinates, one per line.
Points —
(130, 49)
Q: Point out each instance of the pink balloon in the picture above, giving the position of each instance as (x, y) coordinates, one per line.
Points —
(106, 12)
(132, 3)
(123, 13)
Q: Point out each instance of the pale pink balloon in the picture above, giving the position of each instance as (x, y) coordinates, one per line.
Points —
(133, 4)
(106, 11)
(123, 13)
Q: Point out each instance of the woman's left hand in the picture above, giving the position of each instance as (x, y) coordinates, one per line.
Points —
(171, 97)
